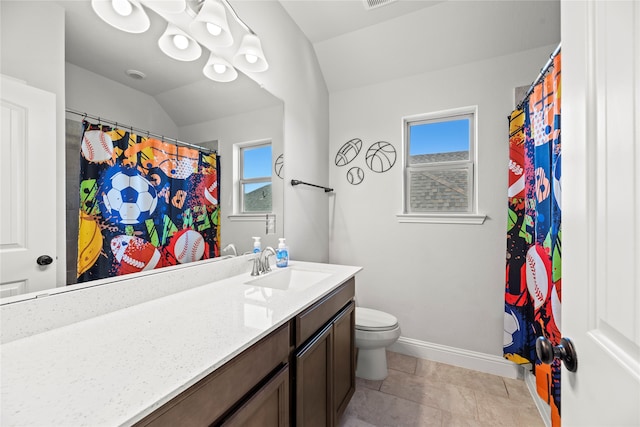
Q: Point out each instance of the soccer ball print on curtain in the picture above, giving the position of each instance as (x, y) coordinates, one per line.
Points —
(533, 291)
(144, 204)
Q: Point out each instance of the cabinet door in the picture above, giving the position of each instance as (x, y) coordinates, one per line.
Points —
(344, 360)
(314, 381)
(216, 394)
(268, 407)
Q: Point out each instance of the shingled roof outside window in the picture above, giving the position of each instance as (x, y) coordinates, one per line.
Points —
(439, 163)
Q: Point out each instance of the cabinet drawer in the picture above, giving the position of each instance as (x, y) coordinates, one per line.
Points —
(209, 399)
(267, 407)
(312, 319)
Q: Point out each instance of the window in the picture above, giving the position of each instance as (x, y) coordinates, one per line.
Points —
(439, 167)
(254, 177)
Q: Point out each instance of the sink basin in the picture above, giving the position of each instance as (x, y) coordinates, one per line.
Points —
(288, 278)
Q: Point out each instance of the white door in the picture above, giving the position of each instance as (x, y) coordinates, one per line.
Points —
(601, 211)
(27, 188)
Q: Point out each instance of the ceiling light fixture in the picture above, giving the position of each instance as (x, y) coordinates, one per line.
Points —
(125, 15)
(179, 45)
(210, 24)
(219, 70)
(191, 23)
(249, 56)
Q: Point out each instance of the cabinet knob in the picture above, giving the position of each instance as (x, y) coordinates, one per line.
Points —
(44, 260)
(564, 351)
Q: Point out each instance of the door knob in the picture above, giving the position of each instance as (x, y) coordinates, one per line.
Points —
(564, 351)
(44, 260)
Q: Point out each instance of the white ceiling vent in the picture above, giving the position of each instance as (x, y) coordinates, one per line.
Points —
(372, 4)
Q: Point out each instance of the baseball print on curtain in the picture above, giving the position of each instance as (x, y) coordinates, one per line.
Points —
(144, 204)
(533, 291)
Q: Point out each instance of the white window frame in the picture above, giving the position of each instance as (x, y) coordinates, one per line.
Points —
(238, 209)
(470, 217)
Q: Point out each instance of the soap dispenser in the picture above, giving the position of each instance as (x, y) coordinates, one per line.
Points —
(256, 245)
(282, 254)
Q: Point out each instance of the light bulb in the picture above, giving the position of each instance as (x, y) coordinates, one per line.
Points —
(180, 41)
(122, 7)
(251, 59)
(219, 68)
(213, 29)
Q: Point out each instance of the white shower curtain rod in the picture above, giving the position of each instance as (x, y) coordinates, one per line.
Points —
(543, 72)
(139, 131)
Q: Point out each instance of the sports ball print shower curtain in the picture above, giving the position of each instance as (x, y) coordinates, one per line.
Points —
(533, 291)
(144, 204)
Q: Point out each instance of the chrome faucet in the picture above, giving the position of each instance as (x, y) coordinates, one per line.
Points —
(261, 261)
(232, 247)
(264, 258)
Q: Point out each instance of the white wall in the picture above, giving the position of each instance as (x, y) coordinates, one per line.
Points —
(93, 94)
(252, 126)
(35, 53)
(445, 283)
(295, 77)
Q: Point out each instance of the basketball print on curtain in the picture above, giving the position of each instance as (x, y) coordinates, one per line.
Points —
(144, 204)
(533, 291)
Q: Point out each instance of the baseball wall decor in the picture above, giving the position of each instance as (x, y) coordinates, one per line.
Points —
(355, 175)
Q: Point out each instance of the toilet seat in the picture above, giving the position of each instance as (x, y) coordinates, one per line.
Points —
(368, 319)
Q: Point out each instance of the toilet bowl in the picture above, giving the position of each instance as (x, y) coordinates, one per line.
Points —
(375, 331)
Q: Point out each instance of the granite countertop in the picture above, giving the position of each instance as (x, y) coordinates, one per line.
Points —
(118, 367)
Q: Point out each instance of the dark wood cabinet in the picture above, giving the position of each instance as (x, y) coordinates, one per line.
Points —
(325, 372)
(302, 374)
(267, 407)
(313, 380)
(344, 360)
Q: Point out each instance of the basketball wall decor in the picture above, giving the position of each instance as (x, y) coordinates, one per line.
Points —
(348, 151)
(278, 166)
(355, 175)
(381, 156)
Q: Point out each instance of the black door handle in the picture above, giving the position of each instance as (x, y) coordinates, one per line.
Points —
(565, 351)
(44, 260)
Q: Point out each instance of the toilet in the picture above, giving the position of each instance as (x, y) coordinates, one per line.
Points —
(375, 331)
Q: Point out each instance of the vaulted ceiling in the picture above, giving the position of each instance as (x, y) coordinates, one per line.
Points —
(357, 47)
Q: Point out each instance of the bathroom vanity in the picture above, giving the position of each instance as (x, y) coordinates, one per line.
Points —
(276, 350)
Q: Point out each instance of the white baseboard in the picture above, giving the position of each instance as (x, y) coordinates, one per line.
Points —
(468, 359)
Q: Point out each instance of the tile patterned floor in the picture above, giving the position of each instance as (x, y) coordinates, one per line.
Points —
(420, 392)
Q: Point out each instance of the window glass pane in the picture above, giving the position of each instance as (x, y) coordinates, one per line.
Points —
(439, 141)
(256, 162)
(439, 190)
(257, 197)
